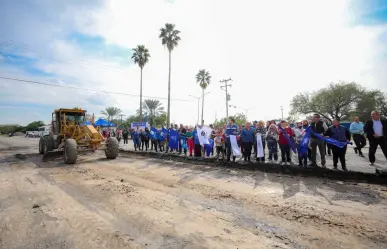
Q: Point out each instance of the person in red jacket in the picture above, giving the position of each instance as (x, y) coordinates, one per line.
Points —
(283, 142)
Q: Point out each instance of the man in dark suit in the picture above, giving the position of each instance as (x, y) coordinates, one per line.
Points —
(376, 130)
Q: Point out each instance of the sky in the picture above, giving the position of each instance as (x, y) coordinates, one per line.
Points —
(270, 49)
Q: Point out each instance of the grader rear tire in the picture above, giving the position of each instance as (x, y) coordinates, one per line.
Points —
(41, 145)
(70, 151)
(112, 148)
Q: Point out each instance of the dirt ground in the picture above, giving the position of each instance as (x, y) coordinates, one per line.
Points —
(137, 202)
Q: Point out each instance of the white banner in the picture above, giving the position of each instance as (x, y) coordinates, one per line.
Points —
(259, 146)
(234, 146)
(204, 134)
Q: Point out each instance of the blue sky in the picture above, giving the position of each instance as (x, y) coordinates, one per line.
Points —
(88, 43)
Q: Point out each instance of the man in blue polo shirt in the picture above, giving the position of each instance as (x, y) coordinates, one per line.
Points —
(231, 129)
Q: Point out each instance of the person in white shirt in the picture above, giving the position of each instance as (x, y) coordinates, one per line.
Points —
(376, 130)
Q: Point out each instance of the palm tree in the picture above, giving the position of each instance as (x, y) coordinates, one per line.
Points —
(170, 38)
(154, 108)
(203, 77)
(111, 112)
(141, 57)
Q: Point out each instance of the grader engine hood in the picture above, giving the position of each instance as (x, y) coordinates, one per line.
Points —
(94, 135)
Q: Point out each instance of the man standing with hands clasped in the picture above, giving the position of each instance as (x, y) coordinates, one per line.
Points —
(376, 130)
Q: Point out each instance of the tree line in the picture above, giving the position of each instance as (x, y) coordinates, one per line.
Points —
(343, 100)
(33, 126)
(153, 113)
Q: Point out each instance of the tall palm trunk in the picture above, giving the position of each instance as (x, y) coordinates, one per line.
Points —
(141, 96)
(202, 106)
(169, 92)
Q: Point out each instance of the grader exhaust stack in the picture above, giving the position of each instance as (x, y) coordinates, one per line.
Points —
(69, 136)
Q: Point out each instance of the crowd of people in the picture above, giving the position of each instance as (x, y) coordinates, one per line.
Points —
(279, 141)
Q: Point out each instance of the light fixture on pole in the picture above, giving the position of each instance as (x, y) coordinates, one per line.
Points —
(246, 110)
(198, 98)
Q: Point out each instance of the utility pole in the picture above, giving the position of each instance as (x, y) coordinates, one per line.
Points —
(225, 88)
(282, 112)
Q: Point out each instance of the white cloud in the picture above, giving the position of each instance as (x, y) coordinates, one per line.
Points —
(271, 49)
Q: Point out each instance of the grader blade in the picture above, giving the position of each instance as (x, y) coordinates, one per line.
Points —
(52, 155)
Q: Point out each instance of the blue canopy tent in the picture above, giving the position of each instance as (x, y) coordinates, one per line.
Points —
(103, 123)
(87, 123)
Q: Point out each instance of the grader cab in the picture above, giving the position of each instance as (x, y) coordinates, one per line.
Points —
(69, 136)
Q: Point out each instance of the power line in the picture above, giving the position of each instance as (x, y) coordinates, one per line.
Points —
(86, 89)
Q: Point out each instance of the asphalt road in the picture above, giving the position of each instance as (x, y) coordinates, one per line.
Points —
(138, 202)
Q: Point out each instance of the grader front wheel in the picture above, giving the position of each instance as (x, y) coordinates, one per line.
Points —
(112, 148)
(70, 151)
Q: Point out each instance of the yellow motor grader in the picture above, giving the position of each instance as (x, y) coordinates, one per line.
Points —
(68, 136)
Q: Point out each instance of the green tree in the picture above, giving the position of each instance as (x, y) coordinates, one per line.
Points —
(170, 38)
(335, 101)
(111, 112)
(381, 104)
(154, 108)
(160, 120)
(240, 119)
(7, 128)
(130, 119)
(141, 57)
(33, 126)
(203, 77)
(365, 105)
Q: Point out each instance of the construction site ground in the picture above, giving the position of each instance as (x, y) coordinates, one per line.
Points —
(142, 202)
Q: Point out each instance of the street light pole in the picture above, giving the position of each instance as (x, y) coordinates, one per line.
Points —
(197, 121)
(282, 112)
(121, 118)
(198, 98)
(246, 110)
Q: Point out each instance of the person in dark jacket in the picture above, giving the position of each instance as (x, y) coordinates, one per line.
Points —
(182, 138)
(376, 130)
(231, 129)
(319, 127)
(145, 135)
(341, 134)
(125, 135)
